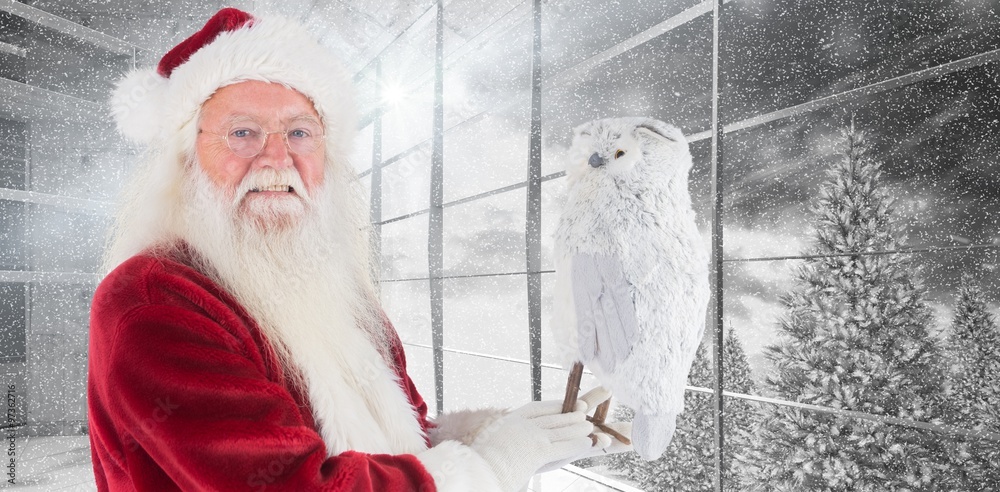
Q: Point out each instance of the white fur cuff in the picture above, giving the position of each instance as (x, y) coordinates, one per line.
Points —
(463, 425)
(458, 468)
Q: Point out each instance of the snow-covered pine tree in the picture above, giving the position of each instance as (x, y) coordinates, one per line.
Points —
(741, 416)
(688, 464)
(973, 360)
(854, 337)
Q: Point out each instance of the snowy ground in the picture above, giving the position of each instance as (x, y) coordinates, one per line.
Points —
(62, 463)
(53, 463)
(573, 479)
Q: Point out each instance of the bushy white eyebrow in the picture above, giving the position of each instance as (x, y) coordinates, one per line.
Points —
(238, 117)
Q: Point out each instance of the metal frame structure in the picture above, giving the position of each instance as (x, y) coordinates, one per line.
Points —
(533, 210)
(716, 136)
(375, 210)
(69, 27)
(23, 95)
(716, 310)
(435, 225)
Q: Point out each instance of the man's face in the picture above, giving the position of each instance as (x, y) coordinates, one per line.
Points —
(272, 108)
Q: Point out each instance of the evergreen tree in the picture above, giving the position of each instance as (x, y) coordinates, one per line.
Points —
(741, 416)
(854, 337)
(974, 397)
(688, 464)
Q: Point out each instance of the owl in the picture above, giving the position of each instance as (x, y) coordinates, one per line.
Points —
(632, 272)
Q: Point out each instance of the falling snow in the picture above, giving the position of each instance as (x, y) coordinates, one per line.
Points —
(918, 78)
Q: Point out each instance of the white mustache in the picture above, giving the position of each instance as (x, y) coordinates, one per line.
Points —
(268, 177)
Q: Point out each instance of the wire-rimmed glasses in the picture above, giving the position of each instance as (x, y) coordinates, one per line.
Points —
(246, 138)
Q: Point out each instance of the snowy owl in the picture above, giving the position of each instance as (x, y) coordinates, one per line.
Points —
(632, 277)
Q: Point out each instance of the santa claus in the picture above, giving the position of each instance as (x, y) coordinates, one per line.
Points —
(237, 342)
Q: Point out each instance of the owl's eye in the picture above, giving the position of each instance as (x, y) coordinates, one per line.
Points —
(619, 153)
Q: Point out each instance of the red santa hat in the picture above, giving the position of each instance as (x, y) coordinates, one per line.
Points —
(152, 106)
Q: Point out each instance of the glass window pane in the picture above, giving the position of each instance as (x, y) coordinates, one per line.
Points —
(472, 382)
(366, 187)
(487, 79)
(63, 241)
(487, 153)
(782, 53)
(677, 91)
(13, 152)
(406, 183)
(496, 74)
(408, 118)
(485, 235)
(404, 248)
(366, 95)
(82, 159)
(362, 157)
(487, 315)
(12, 321)
(16, 373)
(13, 249)
(571, 34)
(934, 141)
(849, 320)
(406, 89)
(148, 25)
(53, 60)
(420, 367)
(408, 305)
(58, 354)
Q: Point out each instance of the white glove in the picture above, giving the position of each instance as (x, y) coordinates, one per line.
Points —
(606, 443)
(517, 444)
(601, 448)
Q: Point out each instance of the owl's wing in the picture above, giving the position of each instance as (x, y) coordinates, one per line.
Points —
(605, 313)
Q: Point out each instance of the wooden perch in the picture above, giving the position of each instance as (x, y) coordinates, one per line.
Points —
(601, 413)
(573, 387)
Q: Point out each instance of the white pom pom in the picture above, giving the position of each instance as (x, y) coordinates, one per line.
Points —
(136, 105)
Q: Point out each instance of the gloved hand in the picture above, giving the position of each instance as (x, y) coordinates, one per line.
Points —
(516, 445)
(601, 448)
(606, 443)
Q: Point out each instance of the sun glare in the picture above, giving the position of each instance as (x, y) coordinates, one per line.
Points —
(393, 94)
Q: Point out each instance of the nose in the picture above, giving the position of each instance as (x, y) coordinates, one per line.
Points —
(275, 152)
(596, 160)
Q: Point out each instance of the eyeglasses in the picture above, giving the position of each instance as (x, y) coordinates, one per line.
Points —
(247, 138)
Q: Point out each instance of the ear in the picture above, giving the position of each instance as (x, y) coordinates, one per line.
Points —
(584, 130)
(659, 130)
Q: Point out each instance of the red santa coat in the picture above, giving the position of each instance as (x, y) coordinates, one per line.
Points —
(185, 394)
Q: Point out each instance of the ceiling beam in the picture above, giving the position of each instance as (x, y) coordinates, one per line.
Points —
(69, 27)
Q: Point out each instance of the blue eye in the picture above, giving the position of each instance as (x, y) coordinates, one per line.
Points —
(299, 133)
(241, 133)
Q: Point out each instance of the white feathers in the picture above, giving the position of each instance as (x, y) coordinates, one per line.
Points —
(627, 242)
(656, 432)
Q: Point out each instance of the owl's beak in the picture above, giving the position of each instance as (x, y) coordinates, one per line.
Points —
(596, 160)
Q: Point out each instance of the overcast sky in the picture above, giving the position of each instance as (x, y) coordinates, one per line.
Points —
(936, 138)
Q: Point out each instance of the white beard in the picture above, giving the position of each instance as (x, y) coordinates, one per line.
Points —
(298, 268)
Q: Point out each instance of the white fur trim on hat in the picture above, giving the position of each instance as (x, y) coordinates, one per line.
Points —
(136, 104)
(149, 108)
